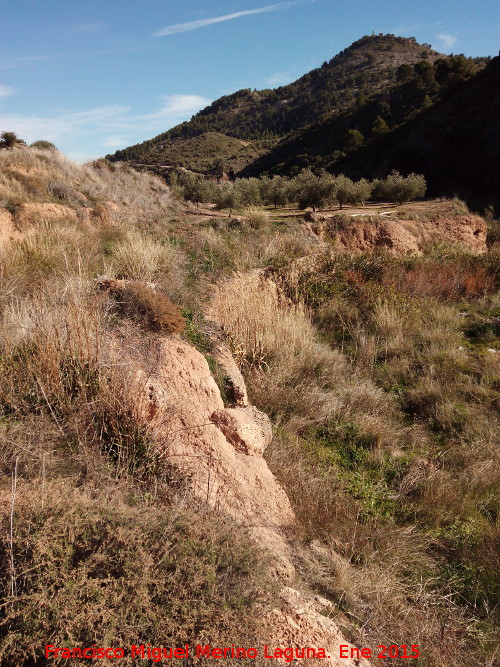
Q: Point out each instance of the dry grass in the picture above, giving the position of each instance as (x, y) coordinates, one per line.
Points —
(103, 567)
(139, 257)
(388, 447)
(103, 537)
(276, 341)
(387, 408)
(257, 218)
(265, 327)
(148, 308)
(31, 175)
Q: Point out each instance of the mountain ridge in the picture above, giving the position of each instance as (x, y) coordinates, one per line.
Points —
(345, 116)
(365, 67)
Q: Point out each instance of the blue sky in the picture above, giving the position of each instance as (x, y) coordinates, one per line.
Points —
(96, 75)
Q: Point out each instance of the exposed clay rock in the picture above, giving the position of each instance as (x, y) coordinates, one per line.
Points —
(399, 236)
(387, 234)
(469, 230)
(220, 451)
(31, 213)
(247, 429)
(8, 230)
(107, 284)
(301, 622)
(237, 387)
(218, 448)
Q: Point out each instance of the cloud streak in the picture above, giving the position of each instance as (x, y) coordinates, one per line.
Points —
(447, 42)
(6, 91)
(194, 25)
(113, 126)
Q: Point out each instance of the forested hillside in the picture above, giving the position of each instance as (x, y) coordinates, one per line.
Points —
(366, 67)
(377, 85)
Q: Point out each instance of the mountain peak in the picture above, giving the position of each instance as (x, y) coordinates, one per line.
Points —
(244, 126)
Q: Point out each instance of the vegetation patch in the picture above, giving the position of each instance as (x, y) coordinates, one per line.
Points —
(91, 569)
(150, 309)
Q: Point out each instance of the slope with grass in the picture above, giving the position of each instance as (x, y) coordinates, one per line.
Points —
(128, 443)
(136, 505)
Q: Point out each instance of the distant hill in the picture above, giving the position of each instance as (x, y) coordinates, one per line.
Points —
(367, 67)
(385, 102)
(455, 143)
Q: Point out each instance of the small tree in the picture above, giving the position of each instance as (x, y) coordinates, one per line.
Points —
(9, 140)
(360, 191)
(379, 127)
(353, 140)
(343, 189)
(248, 191)
(196, 189)
(226, 196)
(312, 190)
(275, 190)
(402, 189)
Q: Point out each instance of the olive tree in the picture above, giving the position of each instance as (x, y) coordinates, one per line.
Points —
(196, 189)
(248, 191)
(343, 187)
(275, 191)
(226, 196)
(400, 189)
(312, 190)
(361, 191)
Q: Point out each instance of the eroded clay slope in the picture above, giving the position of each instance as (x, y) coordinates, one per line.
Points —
(398, 236)
(220, 450)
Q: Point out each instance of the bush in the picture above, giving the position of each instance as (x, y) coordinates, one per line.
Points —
(43, 145)
(98, 568)
(149, 308)
(257, 218)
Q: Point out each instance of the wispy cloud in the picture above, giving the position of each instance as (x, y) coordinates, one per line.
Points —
(60, 125)
(113, 126)
(201, 23)
(114, 141)
(178, 105)
(446, 42)
(6, 91)
(279, 79)
(10, 62)
(84, 28)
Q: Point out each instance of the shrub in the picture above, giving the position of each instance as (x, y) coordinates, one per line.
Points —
(100, 568)
(257, 218)
(9, 140)
(43, 145)
(149, 308)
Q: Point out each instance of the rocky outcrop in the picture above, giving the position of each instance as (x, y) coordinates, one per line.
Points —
(399, 236)
(219, 449)
(302, 621)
